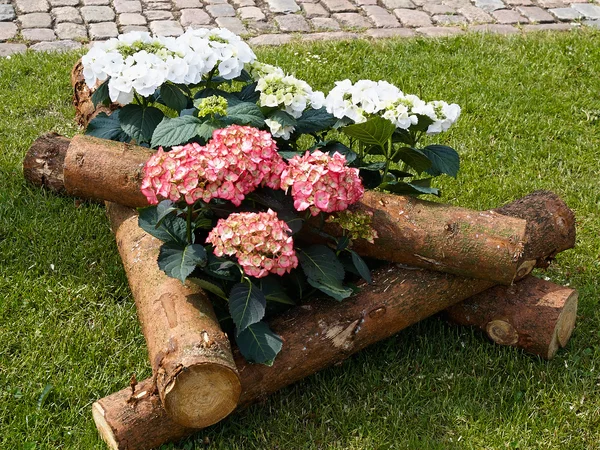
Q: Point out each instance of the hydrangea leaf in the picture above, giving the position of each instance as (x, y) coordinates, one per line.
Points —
(101, 95)
(249, 93)
(139, 122)
(283, 118)
(209, 286)
(443, 159)
(173, 97)
(175, 131)
(416, 187)
(323, 270)
(247, 305)
(414, 158)
(178, 261)
(108, 127)
(337, 291)
(315, 120)
(169, 228)
(375, 131)
(245, 113)
(258, 344)
(361, 267)
(273, 290)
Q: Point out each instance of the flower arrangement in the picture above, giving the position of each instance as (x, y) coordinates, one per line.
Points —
(248, 157)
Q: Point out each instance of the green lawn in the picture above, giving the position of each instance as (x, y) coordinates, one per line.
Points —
(530, 121)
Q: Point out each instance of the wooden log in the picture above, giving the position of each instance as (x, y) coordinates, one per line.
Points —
(192, 364)
(85, 110)
(316, 335)
(478, 244)
(535, 315)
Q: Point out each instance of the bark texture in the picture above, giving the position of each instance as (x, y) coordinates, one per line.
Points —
(192, 364)
(479, 244)
(85, 110)
(535, 315)
(43, 164)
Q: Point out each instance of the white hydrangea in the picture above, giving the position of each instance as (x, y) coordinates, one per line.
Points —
(278, 130)
(258, 70)
(443, 116)
(287, 92)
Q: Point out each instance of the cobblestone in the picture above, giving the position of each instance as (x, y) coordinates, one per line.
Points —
(59, 24)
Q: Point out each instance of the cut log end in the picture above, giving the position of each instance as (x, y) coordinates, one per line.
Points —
(566, 320)
(106, 432)
(202, 395)
(502, 332)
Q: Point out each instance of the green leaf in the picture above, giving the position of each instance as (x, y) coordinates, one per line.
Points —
(370, 178)
(332, 147)
(44, 395)
(249, 93)
(376, 131)
(179, 262)
(139, 122)
(361, 267)
(443, 159)
(314, 120)
(170, 228)
(342, 243)
(173, 97)
(323, 270)
(165, 208)
(209, 286)
(423, 123)
(108, 127)
(412, 188)
(101, 95)
(206, 129)
(218, 268)
(247, 305)
(175, 131)
(258, 344)
(245, 113)
(283, 118)
(289, 155)
(414, 158)
(272, 288)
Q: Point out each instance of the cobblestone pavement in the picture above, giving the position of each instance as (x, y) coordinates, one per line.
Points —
(68, 24)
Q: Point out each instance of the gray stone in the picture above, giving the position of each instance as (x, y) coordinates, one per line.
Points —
(166, 28)
(566, 14)
(67, 14)
(314, 10)
(536, 14)
(260, 26)
(508, 16)
(439, 31)
(32, 6)
(103, 30)
(270, 39)
(494, 28)
(489, 5)
(155, 6)
(381, 17)
(398, 4)
(518, 2)
(38, 34)
(412, 18)
(338, 6)
(7, 12)
(58, 3)
(333, 35)
(96, 2)
(551, 4)
(130, 28)
(222, 10)
(365, 2)
(438, 9)
(592, 23)
(194, 17)
(475, 15)
(127, 19)
(159, 15)
(56, 46)
(390, 32)
(445, 19)
(283, 6)
(233, 24)
(425, 2)
(182, 4)
(325, 24)
(548, 27)
(242, 3)
(251, 13)
(128, 7)
(456, 3)
(69, 30)
(588, 10)
(292, 23)
(11, 49)
(8, 30)
(36, 20)
(96, 14)
(352, 20)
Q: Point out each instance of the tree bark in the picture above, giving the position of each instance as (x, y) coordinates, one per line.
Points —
(85, 110)
(192, 364)
(478, 244)
(535, 315)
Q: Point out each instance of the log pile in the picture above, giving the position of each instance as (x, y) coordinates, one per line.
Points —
(475, 265)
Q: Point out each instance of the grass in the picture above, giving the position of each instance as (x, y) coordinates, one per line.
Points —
(68, 329)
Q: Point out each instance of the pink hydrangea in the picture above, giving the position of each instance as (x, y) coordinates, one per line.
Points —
(322, 182)
(259, 241)
(235, 162)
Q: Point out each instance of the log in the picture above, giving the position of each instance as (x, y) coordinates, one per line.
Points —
(85, 110)
(478, 244)
(192, 364)
(535, 315)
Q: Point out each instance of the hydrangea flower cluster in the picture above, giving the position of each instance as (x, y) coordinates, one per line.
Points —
(289, 93)
(234, 163)
(259, 241)
(365, 97)
(138, 62)
(357, 224)
(322, 182)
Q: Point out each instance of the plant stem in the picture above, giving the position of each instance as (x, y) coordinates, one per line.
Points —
(190, 210)
(388, 158)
